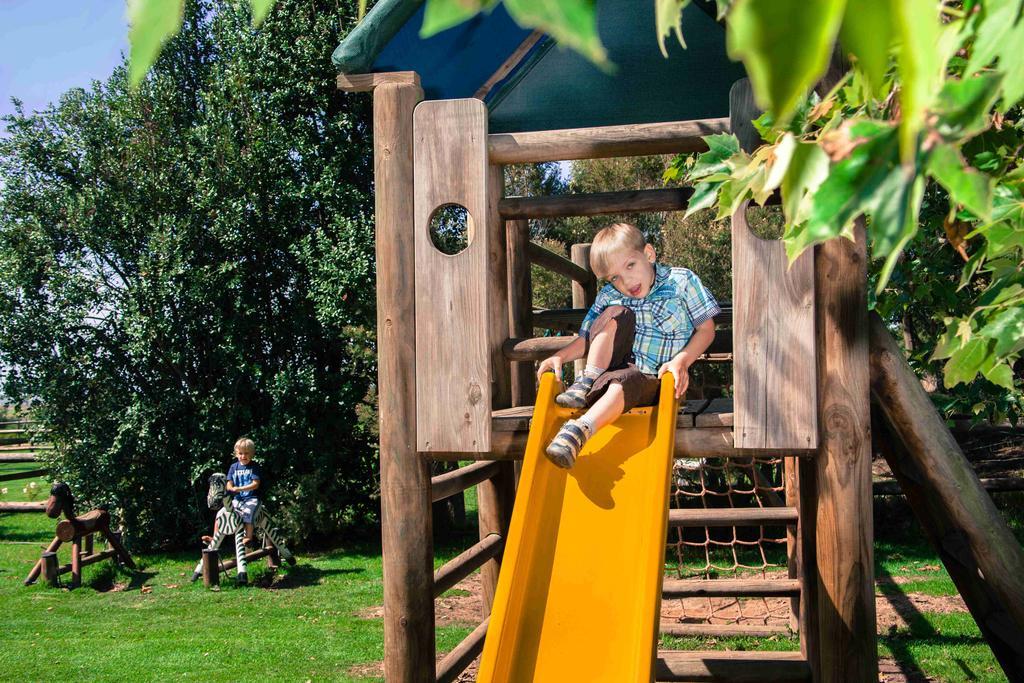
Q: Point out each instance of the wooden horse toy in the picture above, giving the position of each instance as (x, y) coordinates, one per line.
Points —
(79, 531)
(229, 523)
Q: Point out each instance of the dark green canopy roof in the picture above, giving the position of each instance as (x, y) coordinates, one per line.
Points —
(552, 87)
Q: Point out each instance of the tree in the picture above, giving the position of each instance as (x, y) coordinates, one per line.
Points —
(191, 261)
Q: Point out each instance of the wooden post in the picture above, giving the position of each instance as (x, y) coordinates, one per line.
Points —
(520, 308)
(496, 495)
(76, 562)
(582, 296)
(38, 567)
(211, 567)
(50, 572)
(405, 477)
(791, 478)
(845, 593)
(88, 545)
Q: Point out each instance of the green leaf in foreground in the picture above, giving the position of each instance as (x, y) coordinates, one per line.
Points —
(963, 106)
(260, 10)
(965, 185)
(572, 23)
(668, 17)
(917, 31)
(441, 15)
(152, 23)
(785, 45)
(867, 33)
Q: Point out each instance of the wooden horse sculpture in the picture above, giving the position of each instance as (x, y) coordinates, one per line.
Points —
(229, 523)
(79, 531)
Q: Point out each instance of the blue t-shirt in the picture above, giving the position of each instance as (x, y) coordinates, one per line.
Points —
(243, 475)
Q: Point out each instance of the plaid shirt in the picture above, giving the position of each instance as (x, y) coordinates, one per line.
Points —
(665, 319)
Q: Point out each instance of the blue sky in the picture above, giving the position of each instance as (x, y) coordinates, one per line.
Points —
(49, 46)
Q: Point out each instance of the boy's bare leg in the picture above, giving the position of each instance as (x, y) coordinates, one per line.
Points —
(600, 353)
(608, 408)
(248, 532)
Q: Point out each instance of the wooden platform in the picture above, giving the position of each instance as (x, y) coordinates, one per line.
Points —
(703, 430)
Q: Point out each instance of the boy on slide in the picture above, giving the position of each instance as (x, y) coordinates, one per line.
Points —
(647, 320)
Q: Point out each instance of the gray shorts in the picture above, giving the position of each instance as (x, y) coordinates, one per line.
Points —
(246, 508)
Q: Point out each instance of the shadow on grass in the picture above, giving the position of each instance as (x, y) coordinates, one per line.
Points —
(299, 576)
(107, 579)
(921, 633)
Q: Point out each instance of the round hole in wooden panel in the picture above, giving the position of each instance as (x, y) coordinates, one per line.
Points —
(451, 229)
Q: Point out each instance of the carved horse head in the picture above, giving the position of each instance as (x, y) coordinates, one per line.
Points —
(217, 495)
(60, 501)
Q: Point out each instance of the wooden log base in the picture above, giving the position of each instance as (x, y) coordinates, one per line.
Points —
(249, 557)
(740, 588)
(735, 667)
(89, 559)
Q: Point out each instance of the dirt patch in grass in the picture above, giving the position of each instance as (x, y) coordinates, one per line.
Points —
(462, 606)
(371, 670)
(895, 611)
(891, 671)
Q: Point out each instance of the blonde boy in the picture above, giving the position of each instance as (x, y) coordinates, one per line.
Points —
(647, 320)
(243, 479)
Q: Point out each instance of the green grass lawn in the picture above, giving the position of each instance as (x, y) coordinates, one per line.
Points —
(312, 623)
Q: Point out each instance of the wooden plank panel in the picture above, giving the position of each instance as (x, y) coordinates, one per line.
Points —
(774, 370)
(453, 397)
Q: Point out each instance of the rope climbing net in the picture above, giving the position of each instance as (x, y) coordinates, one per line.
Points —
(751, 552)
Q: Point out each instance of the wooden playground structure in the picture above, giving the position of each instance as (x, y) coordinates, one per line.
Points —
(818, 382)
(807, 358)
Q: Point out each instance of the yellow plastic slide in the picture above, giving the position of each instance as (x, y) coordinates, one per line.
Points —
(579, 592)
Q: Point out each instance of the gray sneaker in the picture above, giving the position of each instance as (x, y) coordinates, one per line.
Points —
(566, 445)
(576, 395)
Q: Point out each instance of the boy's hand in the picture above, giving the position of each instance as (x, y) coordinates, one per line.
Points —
(679, 369)
(230, 487)
(552, 363)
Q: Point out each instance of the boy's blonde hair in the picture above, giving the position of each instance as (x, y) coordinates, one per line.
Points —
(245, 444)
(612, 239)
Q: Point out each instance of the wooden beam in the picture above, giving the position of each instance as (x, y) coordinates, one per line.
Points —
(722, 631)
(557, 263)
(367, 82)
(456, 661)
(992, 485)
(744, 588)
(448, 484)
(539, 348)
(978, 549)
(596, 204)
(708, 442)
(22, 507)
(18, 457)
(506, 67)
(732, 666)
(467, 562)
(602, 142)
(732, 517)
(406, 524)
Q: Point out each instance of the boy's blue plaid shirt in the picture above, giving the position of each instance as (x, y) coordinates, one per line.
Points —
(665, 319)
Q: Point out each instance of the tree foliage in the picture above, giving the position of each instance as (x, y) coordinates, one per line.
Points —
(192, 260)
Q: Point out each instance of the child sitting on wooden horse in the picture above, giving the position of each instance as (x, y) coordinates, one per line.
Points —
(647, 320)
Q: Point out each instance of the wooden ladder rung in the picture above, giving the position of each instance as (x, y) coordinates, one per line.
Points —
(740, 588)
(733, 517)
(734, 666)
